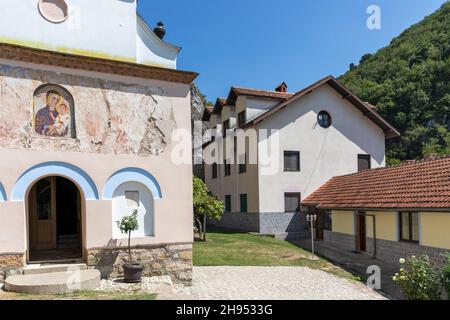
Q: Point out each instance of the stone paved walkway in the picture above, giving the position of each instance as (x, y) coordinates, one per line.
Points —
(273, 283)
(358, 263)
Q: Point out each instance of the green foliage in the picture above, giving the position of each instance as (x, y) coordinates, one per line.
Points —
(409, 82)
(128, 223)
(420, 279)
(205, 202)
(447, 276)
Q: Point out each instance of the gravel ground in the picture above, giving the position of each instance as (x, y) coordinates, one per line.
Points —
(273, 283)
(250, 283)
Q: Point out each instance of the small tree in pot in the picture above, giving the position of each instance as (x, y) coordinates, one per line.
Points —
(132, 271)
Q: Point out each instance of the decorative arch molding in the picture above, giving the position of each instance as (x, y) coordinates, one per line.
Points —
(66, 170)
(131, 175)
(2, 193)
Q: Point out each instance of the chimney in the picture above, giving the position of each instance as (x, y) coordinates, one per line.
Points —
(159, 30)
(282, 88)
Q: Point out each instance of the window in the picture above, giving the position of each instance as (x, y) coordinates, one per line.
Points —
(55, 11)
(409, 226)
(363, 162)
(225, 127)
(227, 167)
(292, 202)
(132, 198)
(244, 207)
(228, 203)
(214, 171)
(243, 166)
(241, 119)
(324, 119)
(291, 161)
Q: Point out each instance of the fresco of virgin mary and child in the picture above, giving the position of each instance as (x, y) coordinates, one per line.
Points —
(53, 120)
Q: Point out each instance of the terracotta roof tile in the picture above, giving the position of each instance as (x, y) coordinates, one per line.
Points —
(262, 93)
(424, 184)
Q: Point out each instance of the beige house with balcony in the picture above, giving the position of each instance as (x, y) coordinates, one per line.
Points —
(294, 143)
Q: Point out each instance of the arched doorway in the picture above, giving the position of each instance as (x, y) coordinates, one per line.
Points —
(54, 220)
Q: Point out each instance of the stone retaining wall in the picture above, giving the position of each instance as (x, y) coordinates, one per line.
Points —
(387, 251)
(247, 222)
(282, 224)
(172, 260)
(10, 264)
(391, 251)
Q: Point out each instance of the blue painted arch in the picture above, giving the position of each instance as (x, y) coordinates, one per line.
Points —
(66, 170)
(2, 193)
(132, 175)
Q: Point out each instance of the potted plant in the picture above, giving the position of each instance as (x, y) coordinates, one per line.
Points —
(132, 271)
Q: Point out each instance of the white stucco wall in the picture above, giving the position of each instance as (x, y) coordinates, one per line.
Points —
(254, 106)
(121, 207)
(153, 51)
(324, 153)
(102, 27)
(109, 29)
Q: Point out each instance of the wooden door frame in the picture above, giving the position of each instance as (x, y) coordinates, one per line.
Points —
(81, 214)
(361, 239)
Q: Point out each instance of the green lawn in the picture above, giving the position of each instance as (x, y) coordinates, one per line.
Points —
(243, 249)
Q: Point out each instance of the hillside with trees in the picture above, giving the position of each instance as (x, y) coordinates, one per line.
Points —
(409, 83)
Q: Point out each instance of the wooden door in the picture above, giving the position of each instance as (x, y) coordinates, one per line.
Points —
(361, 232)
(42, 213)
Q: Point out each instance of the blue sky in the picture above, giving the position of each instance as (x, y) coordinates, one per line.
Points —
(260, 43)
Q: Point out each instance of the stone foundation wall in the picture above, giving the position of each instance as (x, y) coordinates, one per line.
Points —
(172, 260)
(247, 222)
(391, 251)
(284, 226)
(388, 251)
(340, 240)
(11, 264)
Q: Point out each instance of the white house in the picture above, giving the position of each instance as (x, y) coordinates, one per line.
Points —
(302, 140)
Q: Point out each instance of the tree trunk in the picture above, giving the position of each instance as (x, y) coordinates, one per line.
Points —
(204, 226)
(129, 247)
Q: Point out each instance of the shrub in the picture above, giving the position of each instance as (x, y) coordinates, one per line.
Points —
(447, 276)
(420, 279)
(127, 225)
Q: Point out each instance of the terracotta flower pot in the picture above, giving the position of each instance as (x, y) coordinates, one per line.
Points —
(133, 273)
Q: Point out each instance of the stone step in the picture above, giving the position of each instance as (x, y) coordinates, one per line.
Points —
(54, 283)
(49, 268)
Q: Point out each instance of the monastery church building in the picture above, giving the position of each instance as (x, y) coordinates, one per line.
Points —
(90, 96)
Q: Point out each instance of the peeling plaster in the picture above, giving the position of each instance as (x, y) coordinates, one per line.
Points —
(110, 117)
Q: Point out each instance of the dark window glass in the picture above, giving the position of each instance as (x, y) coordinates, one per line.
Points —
(44, 199)
(243, 199)
(409, 226)
(291, 161)
(227, 167)
(243, 166)
(225, 127)
(214, 170)
(324, 119)
(241, 119)
(228, 203)
(363, 162)
(292, 202)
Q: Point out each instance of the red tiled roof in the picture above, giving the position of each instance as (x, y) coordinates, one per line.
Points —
(417, 185)
(235, 92)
